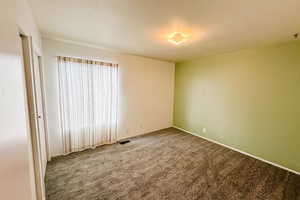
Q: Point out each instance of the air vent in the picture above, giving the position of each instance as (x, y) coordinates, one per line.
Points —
(124, 141)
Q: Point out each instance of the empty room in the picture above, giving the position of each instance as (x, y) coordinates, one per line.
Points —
(150, 100)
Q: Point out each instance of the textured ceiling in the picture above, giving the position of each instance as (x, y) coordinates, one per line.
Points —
(141, 27)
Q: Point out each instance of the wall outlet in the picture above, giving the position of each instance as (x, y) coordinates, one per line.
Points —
(204, 130)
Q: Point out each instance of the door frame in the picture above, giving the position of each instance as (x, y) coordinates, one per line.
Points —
(27, 54)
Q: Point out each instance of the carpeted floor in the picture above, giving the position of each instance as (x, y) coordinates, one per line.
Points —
(167, 165)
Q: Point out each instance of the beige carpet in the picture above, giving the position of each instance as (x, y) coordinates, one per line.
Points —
(167, 165)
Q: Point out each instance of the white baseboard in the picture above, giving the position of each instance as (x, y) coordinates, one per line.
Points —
(242, 152)
(142, 133)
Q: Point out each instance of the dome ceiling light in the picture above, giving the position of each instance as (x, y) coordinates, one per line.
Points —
(177, 38)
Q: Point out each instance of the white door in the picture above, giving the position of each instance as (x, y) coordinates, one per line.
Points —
(40, 111)
(32, 99)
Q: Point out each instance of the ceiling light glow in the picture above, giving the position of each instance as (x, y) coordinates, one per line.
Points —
(177, 38)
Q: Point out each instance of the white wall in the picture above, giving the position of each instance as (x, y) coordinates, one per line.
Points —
(146, 90)
(16, 167)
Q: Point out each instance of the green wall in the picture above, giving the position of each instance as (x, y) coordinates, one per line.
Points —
(249, 100)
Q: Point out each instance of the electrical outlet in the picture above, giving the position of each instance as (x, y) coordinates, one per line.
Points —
(204, 130)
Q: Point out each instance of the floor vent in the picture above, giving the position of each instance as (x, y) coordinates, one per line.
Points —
(124, 141)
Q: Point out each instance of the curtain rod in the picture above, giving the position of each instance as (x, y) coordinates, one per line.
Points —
(86, 60)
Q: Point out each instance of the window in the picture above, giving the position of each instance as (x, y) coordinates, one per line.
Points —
(88, 102)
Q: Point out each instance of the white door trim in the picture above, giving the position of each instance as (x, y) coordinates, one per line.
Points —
(33, 123)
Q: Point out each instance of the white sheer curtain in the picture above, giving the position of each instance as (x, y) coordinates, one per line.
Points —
(88, 103)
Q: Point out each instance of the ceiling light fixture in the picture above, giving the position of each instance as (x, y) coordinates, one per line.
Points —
(177, 38)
